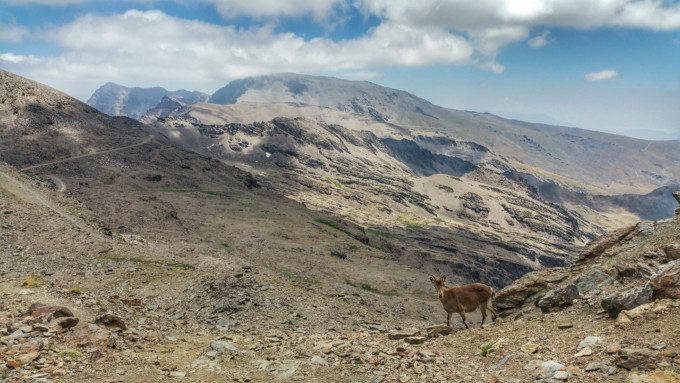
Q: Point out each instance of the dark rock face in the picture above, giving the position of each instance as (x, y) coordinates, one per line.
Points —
(558, 298)
(592, 280)
(626, 300)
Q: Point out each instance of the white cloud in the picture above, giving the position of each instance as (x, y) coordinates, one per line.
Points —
(148, 48)
(606, 74)
(539, 41)
(320, 9)
(11, 33)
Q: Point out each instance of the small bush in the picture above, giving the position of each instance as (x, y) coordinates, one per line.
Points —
(32, 282)
(486, 348)
(225, 245)
(70, 353)
(76, 290)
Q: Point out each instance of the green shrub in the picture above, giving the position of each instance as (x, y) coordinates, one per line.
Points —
(486, 348)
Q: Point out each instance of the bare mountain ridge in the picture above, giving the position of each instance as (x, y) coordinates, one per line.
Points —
(609, 163)
(118, 100)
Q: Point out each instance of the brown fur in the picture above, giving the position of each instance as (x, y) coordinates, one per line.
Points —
(464, 299)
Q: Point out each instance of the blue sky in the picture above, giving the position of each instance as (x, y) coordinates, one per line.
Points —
(608, 65)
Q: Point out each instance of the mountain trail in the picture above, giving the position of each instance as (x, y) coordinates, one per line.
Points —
(146, 141)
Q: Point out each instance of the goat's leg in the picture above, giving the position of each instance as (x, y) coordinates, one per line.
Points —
(448, 319)
(494, 313)
(462, 316)
(482, 308)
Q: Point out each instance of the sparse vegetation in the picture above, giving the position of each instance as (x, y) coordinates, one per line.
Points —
(338, 184)
(333, 225)
(209, 192)
(381, 233)
(224, 244)
(32, 282)
(406, 222)
(367, 287)
(76, 290)
(70, 354)
(440, 220)
(152, 262)
(486, 348)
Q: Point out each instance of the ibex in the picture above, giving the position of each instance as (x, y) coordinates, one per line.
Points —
(464, 299)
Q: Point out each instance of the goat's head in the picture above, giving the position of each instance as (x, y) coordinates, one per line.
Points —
(439, 285)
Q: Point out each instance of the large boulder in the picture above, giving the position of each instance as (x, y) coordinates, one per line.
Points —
(626, 300)
(600, 244)
(557, 298)
(666, 284)
(515, 295)
(593, 280)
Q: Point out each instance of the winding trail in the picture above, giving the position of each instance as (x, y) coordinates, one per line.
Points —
(146, 141)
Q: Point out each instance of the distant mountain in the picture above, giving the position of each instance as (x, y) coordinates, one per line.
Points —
(576, 158)
(118, 100)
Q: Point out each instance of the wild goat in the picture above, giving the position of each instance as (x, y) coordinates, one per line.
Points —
(464, 299)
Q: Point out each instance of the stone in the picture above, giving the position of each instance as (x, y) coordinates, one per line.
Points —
(439, 330)
(67, 322)
(624, 270)
(600, 244)
(532, 283)
(644, 270)
(27, 359)
(637, 358)
(597, 366)
(178, 374)
(593, 280)
(13, 364)
(654, 377)
(111, 322)
(222, 347)
(676, 195)
(564, 326)
(561, 375)
(319, 361)
(626, 300)
(415, 339)
(586, 351)
(589, 341)
(672, 251)
(37, 309)
(613, 348)
(401, 334)
(558, 297)
(666, 284)
(529, 348)
(547, 369)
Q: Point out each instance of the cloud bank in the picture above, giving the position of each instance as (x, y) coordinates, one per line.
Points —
(154, 46)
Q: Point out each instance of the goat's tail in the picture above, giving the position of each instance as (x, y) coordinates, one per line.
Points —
(493, 293)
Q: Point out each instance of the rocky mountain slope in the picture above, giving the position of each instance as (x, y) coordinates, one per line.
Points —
(574, 158)
(135, 260)
(78, 305)
(118, 100)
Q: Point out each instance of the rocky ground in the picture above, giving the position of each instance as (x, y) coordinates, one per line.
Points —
(70, 311)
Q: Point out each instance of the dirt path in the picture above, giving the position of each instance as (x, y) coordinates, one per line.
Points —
(61, 186)
(23, 192)
(146, 141)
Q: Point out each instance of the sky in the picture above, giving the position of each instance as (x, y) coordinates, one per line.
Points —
(606, 65)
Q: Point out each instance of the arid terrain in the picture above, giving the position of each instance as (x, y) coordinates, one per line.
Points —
(158, 263)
